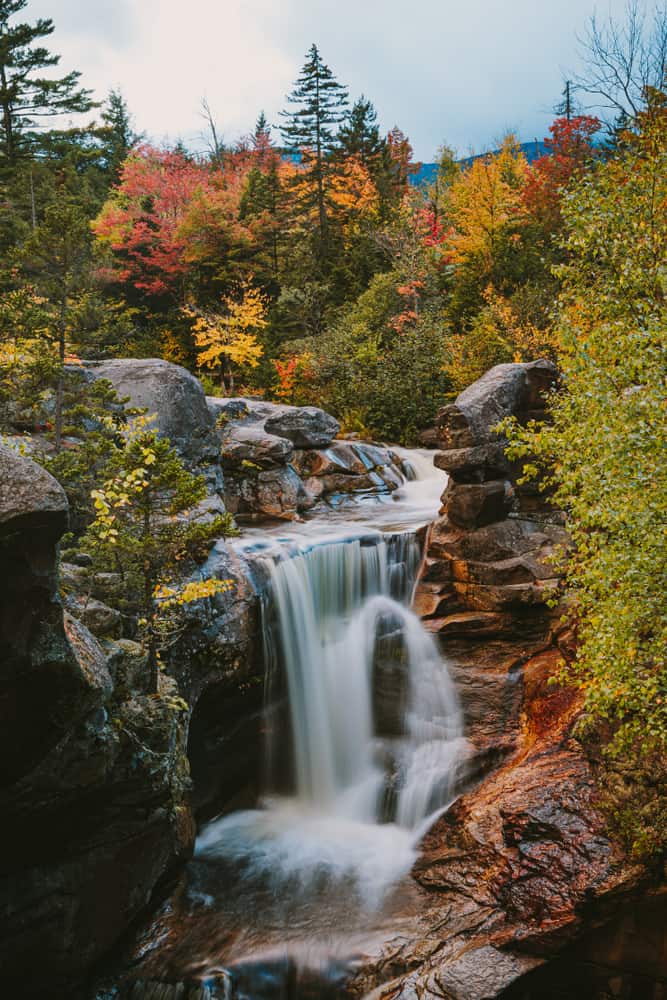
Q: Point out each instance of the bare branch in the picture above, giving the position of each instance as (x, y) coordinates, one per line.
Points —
(623, 61)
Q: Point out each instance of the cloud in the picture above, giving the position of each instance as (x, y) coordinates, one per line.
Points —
(440, 69)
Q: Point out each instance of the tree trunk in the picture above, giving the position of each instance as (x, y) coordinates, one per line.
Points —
(60, 386)
(149, 603)
(7, 121)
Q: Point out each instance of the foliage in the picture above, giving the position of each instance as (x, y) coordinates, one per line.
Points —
(604, 452)
(380, 369)
(483, 200)
(26, 96)
(570, 149)
(497, 335)
(143, 530)
(227, 340)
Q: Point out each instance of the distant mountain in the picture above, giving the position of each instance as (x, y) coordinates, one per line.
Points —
(427, 172)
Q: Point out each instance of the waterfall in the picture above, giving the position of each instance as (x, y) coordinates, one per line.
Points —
(332, 602)
(363, 722)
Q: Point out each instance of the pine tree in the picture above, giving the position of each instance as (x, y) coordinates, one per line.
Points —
(310, 132)
(56, 257)
(120, 137)
(261, 137)
(26, 97)
(359, 135)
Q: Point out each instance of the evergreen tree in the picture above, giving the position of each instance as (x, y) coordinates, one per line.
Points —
(120, 137)
(310, 131)
(56, 257)
(26, 97)
(359, 135)
(261, 137)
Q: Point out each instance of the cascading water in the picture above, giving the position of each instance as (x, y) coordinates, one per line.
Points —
(363, 738)
(338, 629)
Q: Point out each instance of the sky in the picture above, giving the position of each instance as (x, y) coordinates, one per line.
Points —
(457, 71)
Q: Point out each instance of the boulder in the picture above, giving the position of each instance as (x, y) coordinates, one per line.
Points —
(507, 390)
(31, 500)
(251, 445)
(273, 494)
(103, 621)
(471, 505)
(243, 408)
(305, 426)
(170, 393)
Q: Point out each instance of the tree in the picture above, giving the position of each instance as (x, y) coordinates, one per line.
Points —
(310, 132)
(484, 200)
(172, 226)
(142, 531)
(227, 340)
(624, 62)
(27, 98)
(604, 451)
(359, 135)
(570, 150)
(120, 135)
(56, 257)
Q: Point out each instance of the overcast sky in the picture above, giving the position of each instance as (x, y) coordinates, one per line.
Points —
(460, 71)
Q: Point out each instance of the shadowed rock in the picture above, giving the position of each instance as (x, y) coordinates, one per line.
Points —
(172, 394)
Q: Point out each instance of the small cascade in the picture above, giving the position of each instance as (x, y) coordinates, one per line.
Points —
(363, 727)
(332, 602)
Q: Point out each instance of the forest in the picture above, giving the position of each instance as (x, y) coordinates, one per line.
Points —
(305, 265)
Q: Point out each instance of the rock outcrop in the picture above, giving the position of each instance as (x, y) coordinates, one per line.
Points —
(280, 461)
(95, 786)
(523, 865)
(169, 393)
(489, 564)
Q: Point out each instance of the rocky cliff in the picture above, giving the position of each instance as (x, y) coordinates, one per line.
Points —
(522, 868)
(101, 784)
(93, 782)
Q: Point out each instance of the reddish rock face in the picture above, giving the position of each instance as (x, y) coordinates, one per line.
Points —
(522, 865)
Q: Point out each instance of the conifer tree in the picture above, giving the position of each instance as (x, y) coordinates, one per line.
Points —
(26, 97)
(56, 257)
(119, 134)
(359, 135)
(310, 131)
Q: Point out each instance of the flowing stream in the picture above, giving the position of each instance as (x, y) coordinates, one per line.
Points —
(363, 738)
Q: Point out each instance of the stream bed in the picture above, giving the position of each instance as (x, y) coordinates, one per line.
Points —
(363, 739)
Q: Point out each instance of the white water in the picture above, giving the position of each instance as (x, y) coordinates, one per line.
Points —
(335, 590)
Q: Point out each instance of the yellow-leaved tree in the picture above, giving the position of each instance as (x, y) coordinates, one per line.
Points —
(483, 199)
(227, 340)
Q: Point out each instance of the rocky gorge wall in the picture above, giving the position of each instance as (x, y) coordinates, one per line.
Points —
(101, 784)
(519, 882)
(525, 893)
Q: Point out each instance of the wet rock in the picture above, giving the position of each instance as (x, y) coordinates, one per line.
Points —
(339, 458)
(265, 494)
(172, 394)
(248, 446)
(305, 426)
